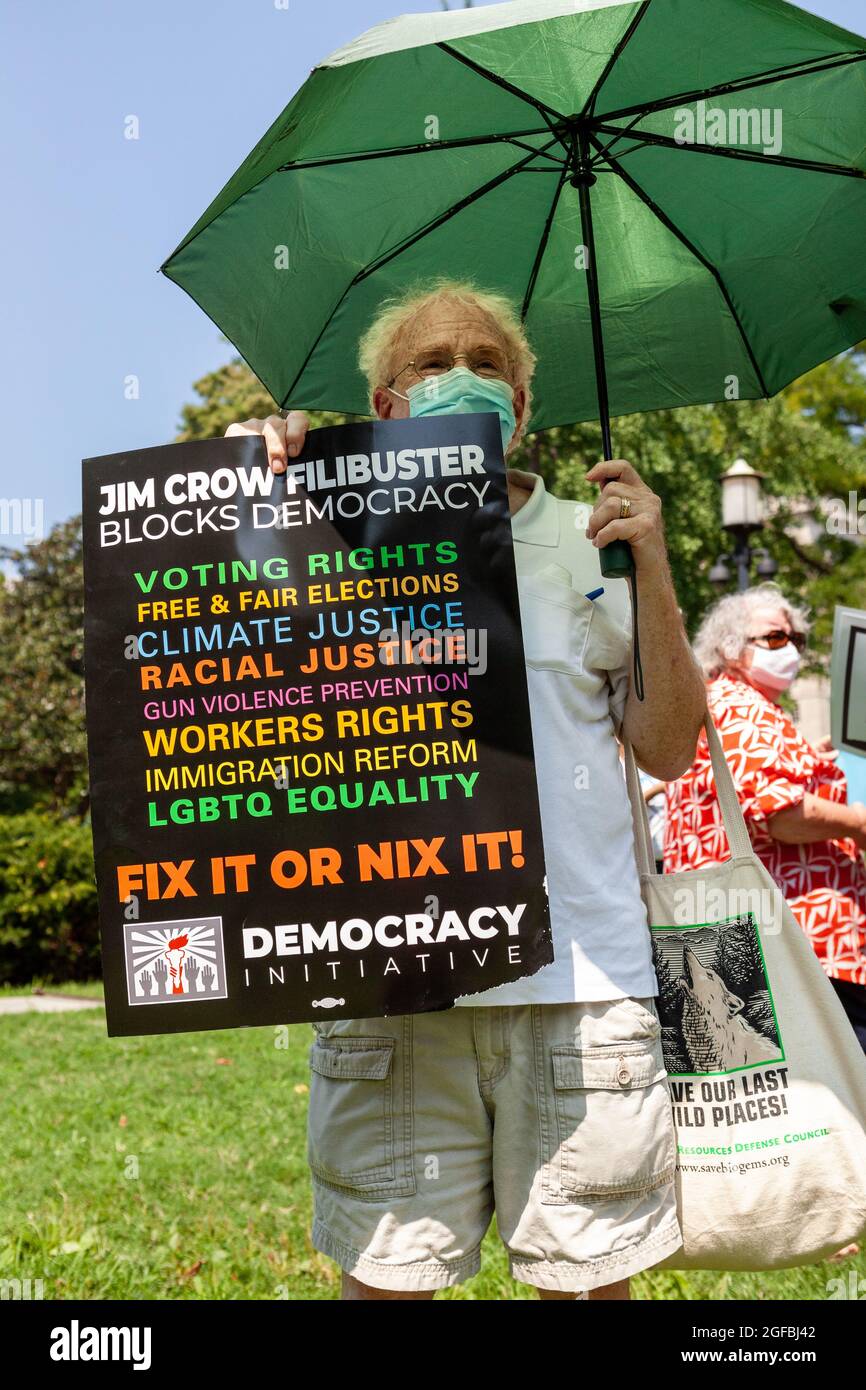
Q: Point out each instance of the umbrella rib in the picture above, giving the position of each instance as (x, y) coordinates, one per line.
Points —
(507, 137)
(699, 256)
(625, 38)
(598, 168)
(740, 84)
(812, 166)
(624, 130)
(541, 106)
(395, 251)
(542, 246)
(542, 153)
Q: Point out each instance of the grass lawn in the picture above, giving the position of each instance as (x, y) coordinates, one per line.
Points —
(174, 1167)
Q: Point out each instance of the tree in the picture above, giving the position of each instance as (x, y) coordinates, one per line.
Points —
(232, 393)
(43, 760)
(738, 959)
(682, 454)
(834, 394)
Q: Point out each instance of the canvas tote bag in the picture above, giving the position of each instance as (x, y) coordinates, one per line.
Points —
(766, 1077)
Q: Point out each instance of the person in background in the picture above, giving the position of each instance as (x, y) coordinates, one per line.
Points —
(792, 793)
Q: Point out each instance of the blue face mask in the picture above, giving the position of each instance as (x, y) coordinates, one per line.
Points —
(461, 392)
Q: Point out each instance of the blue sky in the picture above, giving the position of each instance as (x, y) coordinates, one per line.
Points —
(90, 215)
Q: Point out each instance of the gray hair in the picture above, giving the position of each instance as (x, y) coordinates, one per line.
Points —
(378, 344)
(724, 632)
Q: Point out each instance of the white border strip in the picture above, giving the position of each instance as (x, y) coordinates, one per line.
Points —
(414, 30)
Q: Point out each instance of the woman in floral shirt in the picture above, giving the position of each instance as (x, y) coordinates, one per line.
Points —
(792, 793)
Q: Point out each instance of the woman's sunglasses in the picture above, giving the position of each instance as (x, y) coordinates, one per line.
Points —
(777, 638)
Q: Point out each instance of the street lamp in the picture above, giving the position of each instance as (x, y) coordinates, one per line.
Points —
(742, 514)
(741, 498)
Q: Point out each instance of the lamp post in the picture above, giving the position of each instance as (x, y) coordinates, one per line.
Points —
(742, 515)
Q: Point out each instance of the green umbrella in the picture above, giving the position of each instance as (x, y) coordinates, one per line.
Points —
(674, 191)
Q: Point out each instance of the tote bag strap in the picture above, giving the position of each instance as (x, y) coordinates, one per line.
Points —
(732, 816)
(639, 816)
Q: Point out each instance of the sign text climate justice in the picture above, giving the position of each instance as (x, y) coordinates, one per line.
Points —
(341, 487)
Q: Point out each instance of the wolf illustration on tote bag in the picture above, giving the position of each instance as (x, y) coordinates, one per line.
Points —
(766, 1077)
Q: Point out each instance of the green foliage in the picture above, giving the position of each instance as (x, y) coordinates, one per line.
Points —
(42, 740)
(232, 394)
(48, 917)
(682, 454)
(834, 394)
(228, 395)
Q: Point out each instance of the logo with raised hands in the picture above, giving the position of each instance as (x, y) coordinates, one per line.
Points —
(168, 962)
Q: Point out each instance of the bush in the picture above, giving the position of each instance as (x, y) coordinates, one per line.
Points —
(48, 914)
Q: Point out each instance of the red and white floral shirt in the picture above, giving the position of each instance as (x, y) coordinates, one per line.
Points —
(773, 767)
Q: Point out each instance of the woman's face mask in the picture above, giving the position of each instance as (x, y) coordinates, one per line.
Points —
(775, 669)
(461, 392)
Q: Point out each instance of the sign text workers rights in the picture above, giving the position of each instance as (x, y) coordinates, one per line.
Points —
(311, 761)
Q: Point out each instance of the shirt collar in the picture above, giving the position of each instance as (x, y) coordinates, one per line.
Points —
(734, 686)
(538, 519)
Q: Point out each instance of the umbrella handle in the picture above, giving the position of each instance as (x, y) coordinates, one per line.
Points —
(616, 560)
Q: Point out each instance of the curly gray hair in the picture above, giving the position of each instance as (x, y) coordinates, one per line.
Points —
(724, 632)
(378, 345)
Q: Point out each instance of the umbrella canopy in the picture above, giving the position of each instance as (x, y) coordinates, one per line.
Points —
(715, 154)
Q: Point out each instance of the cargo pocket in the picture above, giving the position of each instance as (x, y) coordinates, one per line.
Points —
(359, 1127)
(613, 1127)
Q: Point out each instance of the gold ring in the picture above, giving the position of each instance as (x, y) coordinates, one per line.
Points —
(624, 508)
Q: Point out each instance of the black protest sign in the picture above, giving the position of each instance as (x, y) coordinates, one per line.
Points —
(313, 791)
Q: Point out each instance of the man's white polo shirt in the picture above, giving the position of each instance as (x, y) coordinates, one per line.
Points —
(578, 661)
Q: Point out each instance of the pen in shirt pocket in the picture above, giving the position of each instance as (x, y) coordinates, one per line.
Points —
(594, 594)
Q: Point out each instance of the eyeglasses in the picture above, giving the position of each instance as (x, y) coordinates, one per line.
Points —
(435, 362)
(777, 638)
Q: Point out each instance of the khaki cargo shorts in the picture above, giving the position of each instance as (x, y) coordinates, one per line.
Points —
(555, 1116)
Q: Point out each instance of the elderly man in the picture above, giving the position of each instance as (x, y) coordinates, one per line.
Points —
(544, 1099)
